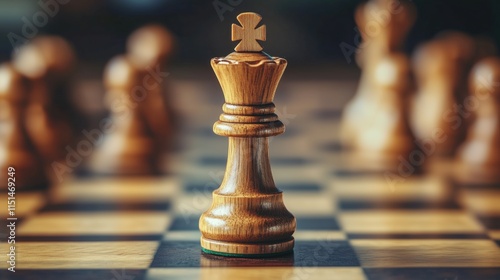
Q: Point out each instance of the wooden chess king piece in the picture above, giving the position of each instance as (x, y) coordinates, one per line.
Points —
(248, 216)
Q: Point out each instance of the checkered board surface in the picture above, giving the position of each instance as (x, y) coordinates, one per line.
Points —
(350, 225)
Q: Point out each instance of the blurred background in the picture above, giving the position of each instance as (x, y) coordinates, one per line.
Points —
(306, 33)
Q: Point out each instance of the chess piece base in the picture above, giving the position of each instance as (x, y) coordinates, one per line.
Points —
(232, 249)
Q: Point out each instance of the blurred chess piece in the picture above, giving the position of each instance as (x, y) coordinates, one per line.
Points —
(149, 49)
(386, 137)
(47, 62)
(440, 69)
(129, 147)
(478, 159)
(383, 25)
(16, 148)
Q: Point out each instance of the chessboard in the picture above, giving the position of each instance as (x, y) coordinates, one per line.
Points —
(350, 224)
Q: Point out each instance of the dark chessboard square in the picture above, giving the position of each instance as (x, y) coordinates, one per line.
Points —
(188, 222)
(80, 206)
(354, 173)
(282, 161)
(408, 205)
(73, 274)
(433, 273)
(324, 253)
(449, 236)
(201, 187)
(189, 254)
(361, 172)
(300, 187)
(83, 172)
(476, 186)
(317, 223)
(210, 260)
(209, 187)
(306, 254)
(490, 222)
(177, 254)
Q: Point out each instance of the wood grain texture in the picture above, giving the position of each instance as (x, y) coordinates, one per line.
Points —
(86, 255)
(428, 221)
(248, 33)
(247, 215)
(121, 223)
(428, 253)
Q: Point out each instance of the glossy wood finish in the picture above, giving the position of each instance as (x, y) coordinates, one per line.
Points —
(248, 216)
(248, 33)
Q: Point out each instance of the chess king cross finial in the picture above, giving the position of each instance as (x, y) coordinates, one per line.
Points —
(248, 33)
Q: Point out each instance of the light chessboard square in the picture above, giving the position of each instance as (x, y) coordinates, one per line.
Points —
(100, 223)
(427, 253)
(409, 221)
(85, 255)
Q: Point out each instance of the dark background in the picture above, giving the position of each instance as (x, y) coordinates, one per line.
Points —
(304, 32)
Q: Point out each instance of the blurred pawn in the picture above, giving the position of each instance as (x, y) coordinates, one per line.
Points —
(384, 25)
(478, 159)
(16, 148)
(149, 49)
(47, 62)
(436, 116)
(386, 139)
(128, 147)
